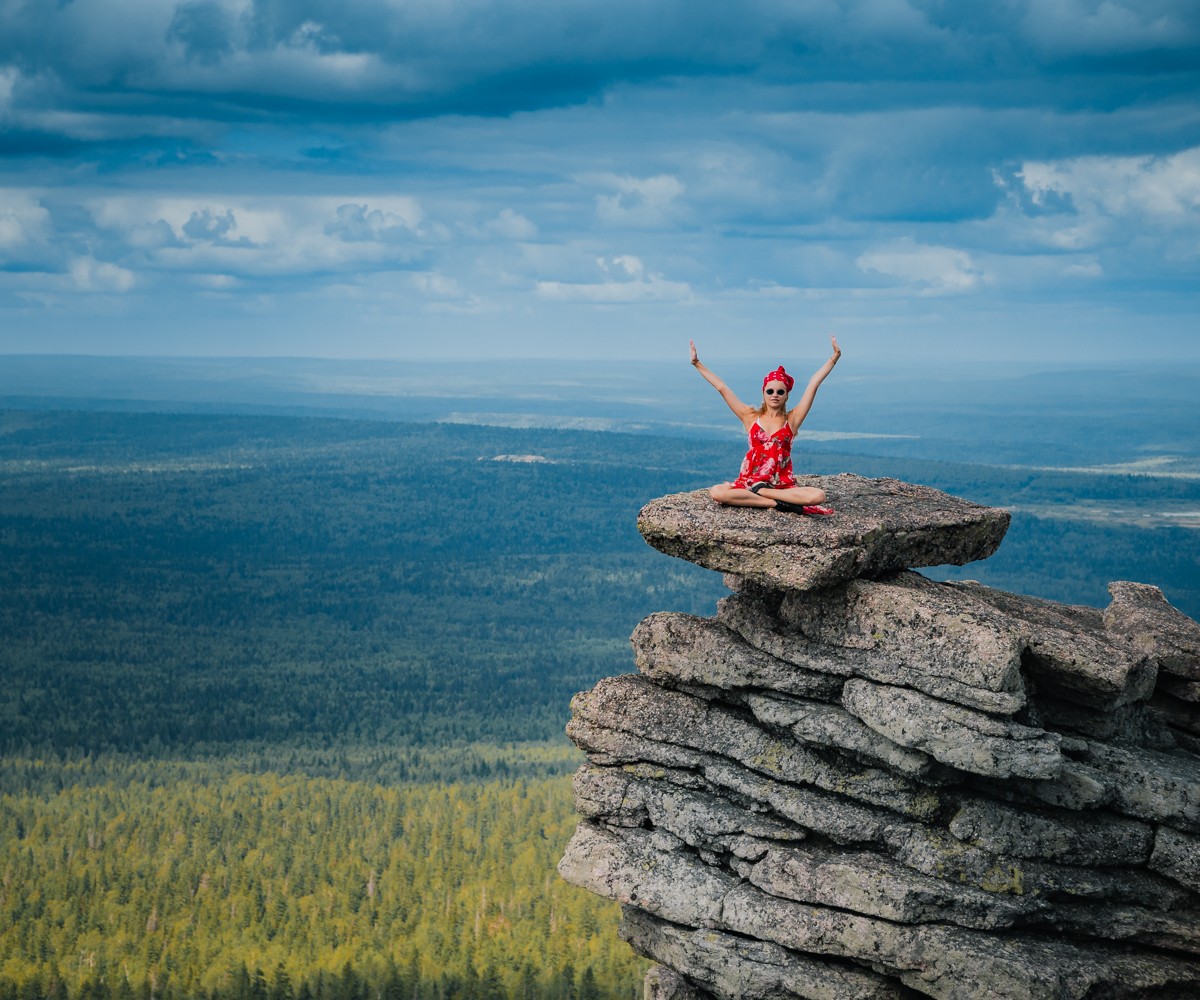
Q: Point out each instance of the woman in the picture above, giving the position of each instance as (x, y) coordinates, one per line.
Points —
(766, 478)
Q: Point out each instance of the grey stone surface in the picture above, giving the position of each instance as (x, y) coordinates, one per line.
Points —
(1077, 787)
(956, 964)
(835, 817)
(676, 648)
(827, 813)
(976, 636)
(832, 726)
(666, 984)
(633, 705)
(1150, 784)
(1178, 931)
(750, 618)
(863, 882)
(1064, 837)
(1141, 614)
(629, 868)
(700, 819)
(936, 959)
(1177, 855)
(881, 525)
(939, 854)
(1131, 725)
(944, 630)
(1069, 651)
(733, 967)
(957, 736)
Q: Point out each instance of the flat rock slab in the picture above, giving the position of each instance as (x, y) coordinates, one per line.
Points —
(1141, 614)
(733, 966)
(960, 737)
(880, 526)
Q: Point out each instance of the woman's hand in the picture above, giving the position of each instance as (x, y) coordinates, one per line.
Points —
(837, 351)
(695, 356)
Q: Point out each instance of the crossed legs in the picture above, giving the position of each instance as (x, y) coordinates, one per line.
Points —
(801, 496)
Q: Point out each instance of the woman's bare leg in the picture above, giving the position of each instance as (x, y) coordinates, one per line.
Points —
(734, 497)
(801, 495)
(766, 497)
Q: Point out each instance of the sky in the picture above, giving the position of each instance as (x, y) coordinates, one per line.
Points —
(929, 180)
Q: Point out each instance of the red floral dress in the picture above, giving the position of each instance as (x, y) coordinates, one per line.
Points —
(769, 459)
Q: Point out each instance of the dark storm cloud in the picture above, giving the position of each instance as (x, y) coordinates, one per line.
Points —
(215, 60)
(205, 30)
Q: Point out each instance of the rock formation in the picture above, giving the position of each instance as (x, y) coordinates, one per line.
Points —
(854, 782)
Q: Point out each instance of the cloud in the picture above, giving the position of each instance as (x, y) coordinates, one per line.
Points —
(628, 282)
(1087, 270)
(91, 275)
(230, 60)
(1109, 27)
(527, 158)
(1165, 189)
(9, 75)
(357, 222)
(24, 222)
(205, 29)
(512, 226)
(261, 236)
(639, 201)
(1121, 217)
(436, 285)
(203, 226)
(930, 270)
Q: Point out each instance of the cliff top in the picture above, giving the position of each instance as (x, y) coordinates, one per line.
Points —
(880, 526)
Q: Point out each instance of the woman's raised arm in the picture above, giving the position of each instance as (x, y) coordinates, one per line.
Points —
(740, 409)
(798, 412)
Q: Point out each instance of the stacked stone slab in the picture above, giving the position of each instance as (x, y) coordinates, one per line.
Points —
(854, 782)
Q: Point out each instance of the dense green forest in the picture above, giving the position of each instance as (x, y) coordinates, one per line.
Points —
(169, 879)
(282, 703)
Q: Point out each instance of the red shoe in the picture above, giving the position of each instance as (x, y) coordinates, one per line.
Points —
(795, 508)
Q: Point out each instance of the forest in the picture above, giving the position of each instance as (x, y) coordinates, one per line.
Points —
(199, 879)
(283, 697)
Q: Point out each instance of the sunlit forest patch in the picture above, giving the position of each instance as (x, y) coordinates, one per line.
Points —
(197, 880)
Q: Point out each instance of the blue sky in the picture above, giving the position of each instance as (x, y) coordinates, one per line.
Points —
(930, 180)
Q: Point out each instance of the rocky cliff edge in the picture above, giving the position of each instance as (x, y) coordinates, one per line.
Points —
(854, 782)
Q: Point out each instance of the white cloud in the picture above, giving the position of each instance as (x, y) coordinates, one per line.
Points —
(1140, 213)
(512, 225)
(358, 222)
(932, 270)
(632, 266)
(629, 283)
(23, 220)
(639, 201)
(91, 275)
(1164, 189)
(257, 236)
(436, 285)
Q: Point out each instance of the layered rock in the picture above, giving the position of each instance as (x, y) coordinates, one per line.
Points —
(852, 781)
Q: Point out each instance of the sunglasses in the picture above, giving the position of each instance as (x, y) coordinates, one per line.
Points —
(772, 392)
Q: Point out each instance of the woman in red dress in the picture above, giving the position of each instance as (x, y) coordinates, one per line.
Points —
(766, 479)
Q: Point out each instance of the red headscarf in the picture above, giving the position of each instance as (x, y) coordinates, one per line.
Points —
(779, 375)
